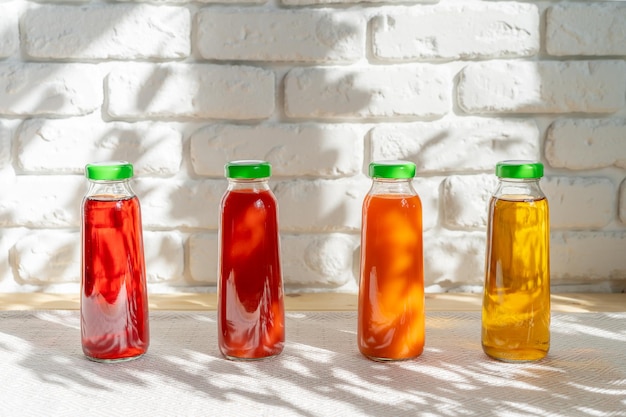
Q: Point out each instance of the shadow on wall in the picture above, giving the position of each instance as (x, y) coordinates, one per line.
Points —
(148, 121)
(66, 133)
(180, 111)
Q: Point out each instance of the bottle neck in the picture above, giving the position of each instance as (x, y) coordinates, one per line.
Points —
(109, 190)
(392, 186)
(255, 184)
(519, 189)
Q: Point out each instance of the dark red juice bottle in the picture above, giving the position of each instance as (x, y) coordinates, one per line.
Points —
(251, 317)
(114, 304)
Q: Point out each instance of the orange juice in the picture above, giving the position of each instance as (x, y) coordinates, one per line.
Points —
(391, 323)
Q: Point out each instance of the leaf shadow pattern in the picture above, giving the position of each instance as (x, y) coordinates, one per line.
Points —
(320, 373)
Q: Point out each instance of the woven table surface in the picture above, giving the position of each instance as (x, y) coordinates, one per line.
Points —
(320, 373)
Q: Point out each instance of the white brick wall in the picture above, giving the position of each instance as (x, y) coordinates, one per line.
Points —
(319, 88)
(586, 143)
(368, 92)
(543, 87)
(56, 90)
(9, 42)
(457, 31)
(568, 29)
(288, 147)
(47, 146)
(112, 31)
(195, 91)
(468, 144)
(259, 35)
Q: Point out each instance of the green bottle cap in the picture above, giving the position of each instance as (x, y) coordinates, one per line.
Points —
(392, 169)
(519, 169)
(248, 169)
(109, 171)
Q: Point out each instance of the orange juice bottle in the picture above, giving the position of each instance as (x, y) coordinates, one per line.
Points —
(391, 321)
(516, 300)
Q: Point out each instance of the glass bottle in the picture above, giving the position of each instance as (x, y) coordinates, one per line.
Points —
(113, 304)
(516, 300)
(391, 319)
(251, 313)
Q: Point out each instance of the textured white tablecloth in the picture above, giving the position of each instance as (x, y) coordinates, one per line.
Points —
(320, 373)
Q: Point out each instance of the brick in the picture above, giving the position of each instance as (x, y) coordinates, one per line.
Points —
(107, 31)
(325, 261)
(220, 2)
(457, 31)
(428, 190)
(320, 261)
(9, 35)
(568, 29)
(41, 201)
(582, 144)
(203, 255)
(543, 87)
(321, 205)
(390, 92)
(293, 150)
(66, 145)
(146, 91)
(453, 260)
(577, 257)
(323, 2)
(579, 202)
(46, 257)
(8, 238)
(259, 35)
(622, 201)
(179, 203)
(468, 144)
(5, 145)
(165, 256)
(53, 257)
(575, 203)
(466, 201)
(49, 89)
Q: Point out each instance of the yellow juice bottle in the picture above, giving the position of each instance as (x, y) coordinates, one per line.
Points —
(516, 299)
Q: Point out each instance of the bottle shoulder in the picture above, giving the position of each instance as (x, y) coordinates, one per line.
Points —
(391, 188)
(519, 190)
(110, 190)
(249, 197)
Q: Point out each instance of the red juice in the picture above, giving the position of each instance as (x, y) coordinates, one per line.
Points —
(114, 306)
(251, 313)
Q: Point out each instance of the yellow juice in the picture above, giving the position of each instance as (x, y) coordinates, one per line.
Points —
(516, 303)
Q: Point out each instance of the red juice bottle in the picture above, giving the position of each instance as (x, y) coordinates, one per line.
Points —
(251, 316)
(113, 304)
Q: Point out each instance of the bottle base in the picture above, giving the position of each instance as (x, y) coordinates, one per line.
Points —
(516, 356)
(383, 360)
(248, 359)
(376, 358)
(115, 360)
